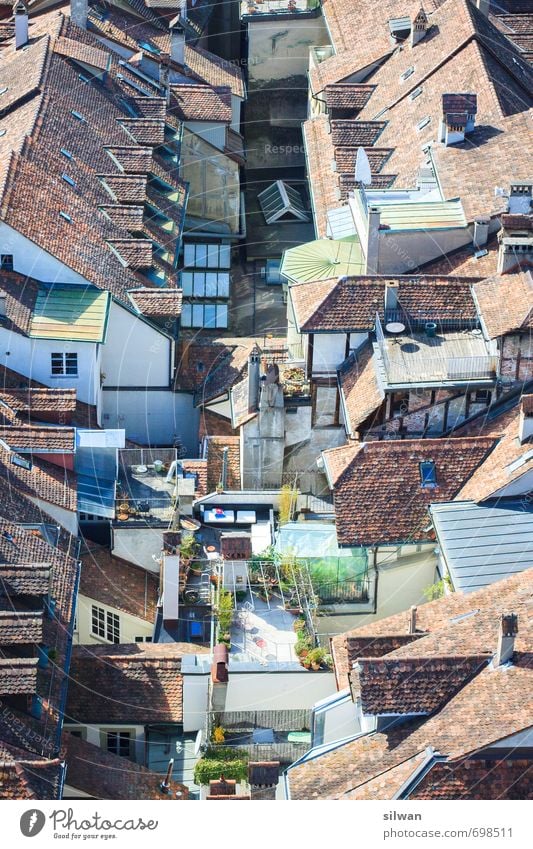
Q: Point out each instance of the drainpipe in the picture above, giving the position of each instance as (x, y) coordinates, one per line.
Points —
(224, 472)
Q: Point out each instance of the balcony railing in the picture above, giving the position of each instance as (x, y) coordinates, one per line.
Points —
(277, 7)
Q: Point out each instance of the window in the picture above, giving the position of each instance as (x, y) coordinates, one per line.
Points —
(65, 215)
(64, 365)
(406, 74)
(204, 315)
(208, 284)
(105, 624)
(119, 743)
(428, 474)
(6, 262)
(66, 153)
(143, 639)
(423, 123)
(482, 396)
(416, 93)
(68, 179)
(23, 462)
(77, 115)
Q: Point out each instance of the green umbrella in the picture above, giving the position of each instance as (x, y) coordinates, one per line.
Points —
(322, 259)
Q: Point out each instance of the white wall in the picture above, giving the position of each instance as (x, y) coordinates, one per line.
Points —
(31, 357)
(195, 701)
(135, 354)
(136, 545)
(329, 351)
(280, 49)
(400, 252)
(214, 133)
(277, 690)
(68, 519)
(153, 417)
(31, 260)
(130, 626)
(236, 113)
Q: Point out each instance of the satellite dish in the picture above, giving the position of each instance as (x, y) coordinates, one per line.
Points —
(362, 168)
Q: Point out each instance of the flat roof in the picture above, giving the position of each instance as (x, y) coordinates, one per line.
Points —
(484, 543)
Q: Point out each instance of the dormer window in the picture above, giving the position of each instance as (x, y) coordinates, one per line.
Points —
(406, 74)
(428, 474)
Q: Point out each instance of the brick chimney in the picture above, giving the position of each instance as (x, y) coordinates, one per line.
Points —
(458, 117)
(506, 637)
(263, 777)
(20, 11)
(419, 27)
(78, 12)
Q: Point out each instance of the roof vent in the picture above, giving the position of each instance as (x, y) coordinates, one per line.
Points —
(506, 636)
(21, 24)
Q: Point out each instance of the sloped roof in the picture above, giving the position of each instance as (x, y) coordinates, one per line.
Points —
(490, 703)
(360, 387)
(379, 499)
(506, 302)
(118, 583)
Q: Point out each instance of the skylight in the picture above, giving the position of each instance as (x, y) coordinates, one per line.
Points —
(406, 74)
(66, 153)
(525, 458)
(428, 474)
(423, 123)
(3, 89)
(66, 216)
(150, 47)
(68, 180)
(3, 132)
(416, 93)
(17, 460)
(77, 115)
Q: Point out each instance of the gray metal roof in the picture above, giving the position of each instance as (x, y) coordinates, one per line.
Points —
(485, 543)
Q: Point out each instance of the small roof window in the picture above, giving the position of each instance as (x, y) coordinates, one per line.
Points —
(149, 47)
(68, 180)
(416, 93)
(406, 74)
(77, 115)
(423, 123)
(3, 89)
(66, 216)
(428, 474)
(66, 153)
(280, 202)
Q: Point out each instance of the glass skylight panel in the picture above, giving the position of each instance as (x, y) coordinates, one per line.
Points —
(423, 123)
(416, 93)
(68, 180)
(406, 74)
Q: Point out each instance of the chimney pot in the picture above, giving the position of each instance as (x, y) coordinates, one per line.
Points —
(412, 620)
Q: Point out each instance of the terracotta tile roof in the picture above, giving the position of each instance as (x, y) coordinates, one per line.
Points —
(117, 583)
(215, 453)
(126, 217)
(21, 295)
(145, 131)
(81, 52)
(39, 440)
(32, 580)
(210, 369)
(134, 253)
(412, 685)
(137, 683)
(18, 675)
(38, 401)
(157, 302)
(44, 481)
(476, 779)
(347, 95)
(103, 775)
(201, 103)
(323, 182)
(494, 472)
(132, 159)
(337, 459)
(125, 188)
(213, 424)
(360, 388)
(506, 302)
(84, 414)
(24, 776)
(214, 70)
(489, 706)
(351, 303)
(20, 627)
(356, 133)
(369, 511)
(345, 157)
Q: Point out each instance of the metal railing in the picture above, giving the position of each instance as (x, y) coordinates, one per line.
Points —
(416, 321)
(343, 592)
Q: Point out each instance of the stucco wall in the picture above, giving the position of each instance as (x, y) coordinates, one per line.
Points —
(135, 354)
(130, 626)
(153, 417)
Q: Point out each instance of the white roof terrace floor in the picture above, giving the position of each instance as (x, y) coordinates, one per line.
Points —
(264, 634)
(451, 357)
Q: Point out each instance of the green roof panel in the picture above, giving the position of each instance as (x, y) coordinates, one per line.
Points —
(73, 313)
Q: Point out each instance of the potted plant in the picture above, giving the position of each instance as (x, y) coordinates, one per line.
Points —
(316, 657)
(188, 548)
(219, 735)
(298, 625)
(219, 488)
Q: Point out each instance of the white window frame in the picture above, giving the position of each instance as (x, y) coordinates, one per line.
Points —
(105, 624)
(64, 360)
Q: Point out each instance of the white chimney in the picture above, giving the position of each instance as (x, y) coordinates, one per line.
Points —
(419, 27)
(20, 11)
(391, 294)
(458, 117)
(412, 620)
(372, 240)
(525, 426)
(78, 13)
(506, 637)
(481, 232)
(177, 40)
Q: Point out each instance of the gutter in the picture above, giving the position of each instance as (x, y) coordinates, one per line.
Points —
(431, 757)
